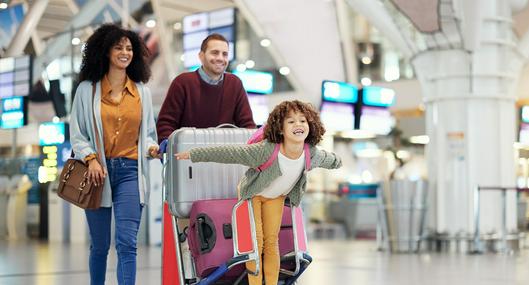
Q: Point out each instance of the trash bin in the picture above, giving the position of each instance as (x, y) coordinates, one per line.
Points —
(403, 207)
(344, 211)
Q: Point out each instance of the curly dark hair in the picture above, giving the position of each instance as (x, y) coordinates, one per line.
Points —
(95, 62)
(274, 124)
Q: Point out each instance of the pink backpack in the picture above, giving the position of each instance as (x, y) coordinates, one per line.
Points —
(258, 136)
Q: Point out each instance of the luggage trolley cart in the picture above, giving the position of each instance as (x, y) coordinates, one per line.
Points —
(206, 193)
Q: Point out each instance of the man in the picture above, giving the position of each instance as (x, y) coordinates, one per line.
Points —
(206, 97)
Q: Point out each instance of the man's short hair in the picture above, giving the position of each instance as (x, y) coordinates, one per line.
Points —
(213, 36)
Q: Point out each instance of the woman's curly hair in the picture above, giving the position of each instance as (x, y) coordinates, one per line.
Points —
(95, 62)
(274, 125)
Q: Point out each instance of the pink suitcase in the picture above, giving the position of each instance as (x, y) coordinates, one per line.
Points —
(210, 236)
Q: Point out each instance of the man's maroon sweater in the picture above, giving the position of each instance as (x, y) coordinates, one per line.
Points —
(191, 102)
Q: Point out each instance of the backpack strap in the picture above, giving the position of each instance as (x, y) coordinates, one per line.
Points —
(270, 160)
(274, 154)
(307, 157)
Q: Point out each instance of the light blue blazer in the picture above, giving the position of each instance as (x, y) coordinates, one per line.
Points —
(82, 136)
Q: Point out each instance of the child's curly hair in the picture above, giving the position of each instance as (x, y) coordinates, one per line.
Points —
(274, 125)
(96, 62)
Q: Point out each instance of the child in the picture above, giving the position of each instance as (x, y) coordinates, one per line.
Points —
(291, 125)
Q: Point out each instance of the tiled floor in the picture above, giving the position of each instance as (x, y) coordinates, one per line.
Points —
(335, 262)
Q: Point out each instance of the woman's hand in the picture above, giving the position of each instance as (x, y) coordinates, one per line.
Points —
(153, 152)
(182, 155)
(96, 173)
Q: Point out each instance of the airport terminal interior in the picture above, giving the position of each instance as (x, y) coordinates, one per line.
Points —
(426, 103)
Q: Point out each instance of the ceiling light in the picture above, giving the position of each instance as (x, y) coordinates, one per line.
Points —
(367, 176)
(366, 81)
(366, 60)
(177, 26)
(76, 41)
(150, 23)
(241, 67)
(284, 70)
(369, 153)
(357, 134)
(424, 139)
(265, 42)
(3, 5)
(250, 63)
(403, 154)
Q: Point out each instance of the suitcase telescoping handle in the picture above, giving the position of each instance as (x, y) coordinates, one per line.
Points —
(201, 223)
(206, 233)
(227, 125)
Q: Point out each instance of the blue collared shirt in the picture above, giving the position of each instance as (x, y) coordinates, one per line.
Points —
(208, 79)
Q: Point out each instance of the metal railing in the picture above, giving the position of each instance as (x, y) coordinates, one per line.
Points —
(478, 247)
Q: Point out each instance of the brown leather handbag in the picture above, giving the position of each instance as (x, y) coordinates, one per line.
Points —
(74, 185)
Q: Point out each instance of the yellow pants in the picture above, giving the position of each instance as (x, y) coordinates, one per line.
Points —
(268, 214)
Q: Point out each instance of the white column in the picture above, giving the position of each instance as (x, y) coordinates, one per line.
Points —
(471, 120)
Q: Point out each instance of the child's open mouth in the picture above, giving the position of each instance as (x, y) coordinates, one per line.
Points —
(298, 132)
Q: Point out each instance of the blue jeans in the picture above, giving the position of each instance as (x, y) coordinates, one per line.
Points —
(123, 175)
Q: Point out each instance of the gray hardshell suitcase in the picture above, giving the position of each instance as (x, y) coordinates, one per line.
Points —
(188, 182)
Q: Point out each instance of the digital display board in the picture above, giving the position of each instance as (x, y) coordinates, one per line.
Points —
(15, 76)
(525, 114)
(256, 81)
(524, 133)
(259, 106)
(378, 96)
(52, 133)
(341, 92)
(198, 26)
(376, 120)
(14, 111)
(337, 116)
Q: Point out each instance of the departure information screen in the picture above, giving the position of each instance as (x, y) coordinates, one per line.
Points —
(198, 26)
(337, 116)
(15, 76)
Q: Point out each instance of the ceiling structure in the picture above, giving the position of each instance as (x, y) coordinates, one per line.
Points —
(60, 13)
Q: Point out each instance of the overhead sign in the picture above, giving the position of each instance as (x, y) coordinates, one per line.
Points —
(378, 96)
(525, 114)
(376, 120)
(15, 76)
(52, 133)
(259, 106)
(341, 92)
(256, 81)
(14, 110)
(197, 27)
(337, 116)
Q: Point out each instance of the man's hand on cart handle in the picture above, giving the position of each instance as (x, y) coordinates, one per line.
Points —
(182, 155)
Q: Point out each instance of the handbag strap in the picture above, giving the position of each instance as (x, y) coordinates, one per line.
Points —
(98, 145)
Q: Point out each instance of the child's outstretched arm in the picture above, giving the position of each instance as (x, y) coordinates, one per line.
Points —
(249, 155)
(325, 159)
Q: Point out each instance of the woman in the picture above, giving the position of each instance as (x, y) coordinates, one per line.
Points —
(114, 62)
